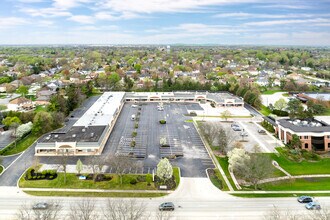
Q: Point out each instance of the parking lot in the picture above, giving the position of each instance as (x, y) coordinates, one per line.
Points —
(182, 137)
(265, 141)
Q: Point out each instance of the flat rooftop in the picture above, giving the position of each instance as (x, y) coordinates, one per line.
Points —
(219, 97)
(75, 134)
(322, 96)
(307, 125)
(102, 111)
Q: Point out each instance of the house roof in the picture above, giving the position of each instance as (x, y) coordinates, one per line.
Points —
(19, 100)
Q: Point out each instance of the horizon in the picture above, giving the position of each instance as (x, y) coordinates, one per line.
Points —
(184, 22)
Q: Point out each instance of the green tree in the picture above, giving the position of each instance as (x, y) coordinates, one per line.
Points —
(42, 123)
(280, 104)
(113, 80)
(295, 108)
(9, 121)
(58, 104)
(79, 166)
(295, 142)
(23, 90)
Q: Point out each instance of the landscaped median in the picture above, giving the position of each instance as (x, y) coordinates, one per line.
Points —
(108, 186)
(21, 145)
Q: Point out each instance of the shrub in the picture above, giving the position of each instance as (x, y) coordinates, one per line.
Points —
(141, 178)
(133, 143)
(280, 113)
(136, 125)
(133, 182)
(162, 121)
(134, 133)
(149, 179)
(269, 127)
(193, 114)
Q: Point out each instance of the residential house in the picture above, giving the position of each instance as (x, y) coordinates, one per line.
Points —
(20, 104)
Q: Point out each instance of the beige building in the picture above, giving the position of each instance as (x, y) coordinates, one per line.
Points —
(89, 134)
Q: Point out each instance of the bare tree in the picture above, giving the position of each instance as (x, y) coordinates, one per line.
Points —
(53, 211)
(96, 163)
(256, 168)
(83, 210)
(63, 162)
(124, 210)
(225, 114)
(163, 215)
(225, 139)
(121, 165)
(323, 214)
(25, 212)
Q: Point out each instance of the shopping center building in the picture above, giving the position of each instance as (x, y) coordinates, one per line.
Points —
(90, 133)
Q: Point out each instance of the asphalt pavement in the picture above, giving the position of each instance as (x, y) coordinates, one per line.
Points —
(181, 135)
(195, 198)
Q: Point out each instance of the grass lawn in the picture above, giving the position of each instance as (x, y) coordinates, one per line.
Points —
(95, 194)
(190, 120)
(20, 145)
(40, 108)
(1, 169)
(223, 161)
(215, 180)
(176, 174)
(298, 184)
(326, 113)
(72, 182)
(272, 195)
(304, 167)
(271, 92)
(265, 110)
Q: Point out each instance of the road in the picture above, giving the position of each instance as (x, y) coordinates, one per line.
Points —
(196, 198)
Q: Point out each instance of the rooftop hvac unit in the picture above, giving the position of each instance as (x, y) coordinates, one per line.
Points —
(48, 137)
(56, 135)
(74, 135)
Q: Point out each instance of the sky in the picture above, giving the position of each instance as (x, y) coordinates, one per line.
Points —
(224, 22)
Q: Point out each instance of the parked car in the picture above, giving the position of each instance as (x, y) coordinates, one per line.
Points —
(261, 131)
(40, 205)
(134, 106)
(313, 206)
(305, 199)
(236, 127)
(166, 206)
(244, 134)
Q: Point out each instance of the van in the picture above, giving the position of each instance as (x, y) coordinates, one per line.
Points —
(133, 117)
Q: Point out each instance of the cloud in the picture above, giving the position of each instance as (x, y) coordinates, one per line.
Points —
(46, 12)
(242, 15)
(11, 22)
(67, 4)
(83, 19)
(286, 22)
(31, 1)
(97, 28)
(294, 5)
(153, 6)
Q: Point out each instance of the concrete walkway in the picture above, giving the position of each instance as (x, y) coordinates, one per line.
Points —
(293, 177)
(214, 159)
(279, 192)
(95, 190)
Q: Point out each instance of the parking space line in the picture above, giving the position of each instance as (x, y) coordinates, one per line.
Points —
(255, 138)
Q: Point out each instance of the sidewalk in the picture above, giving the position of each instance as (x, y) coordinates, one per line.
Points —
(278, 192)
(95, 190)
